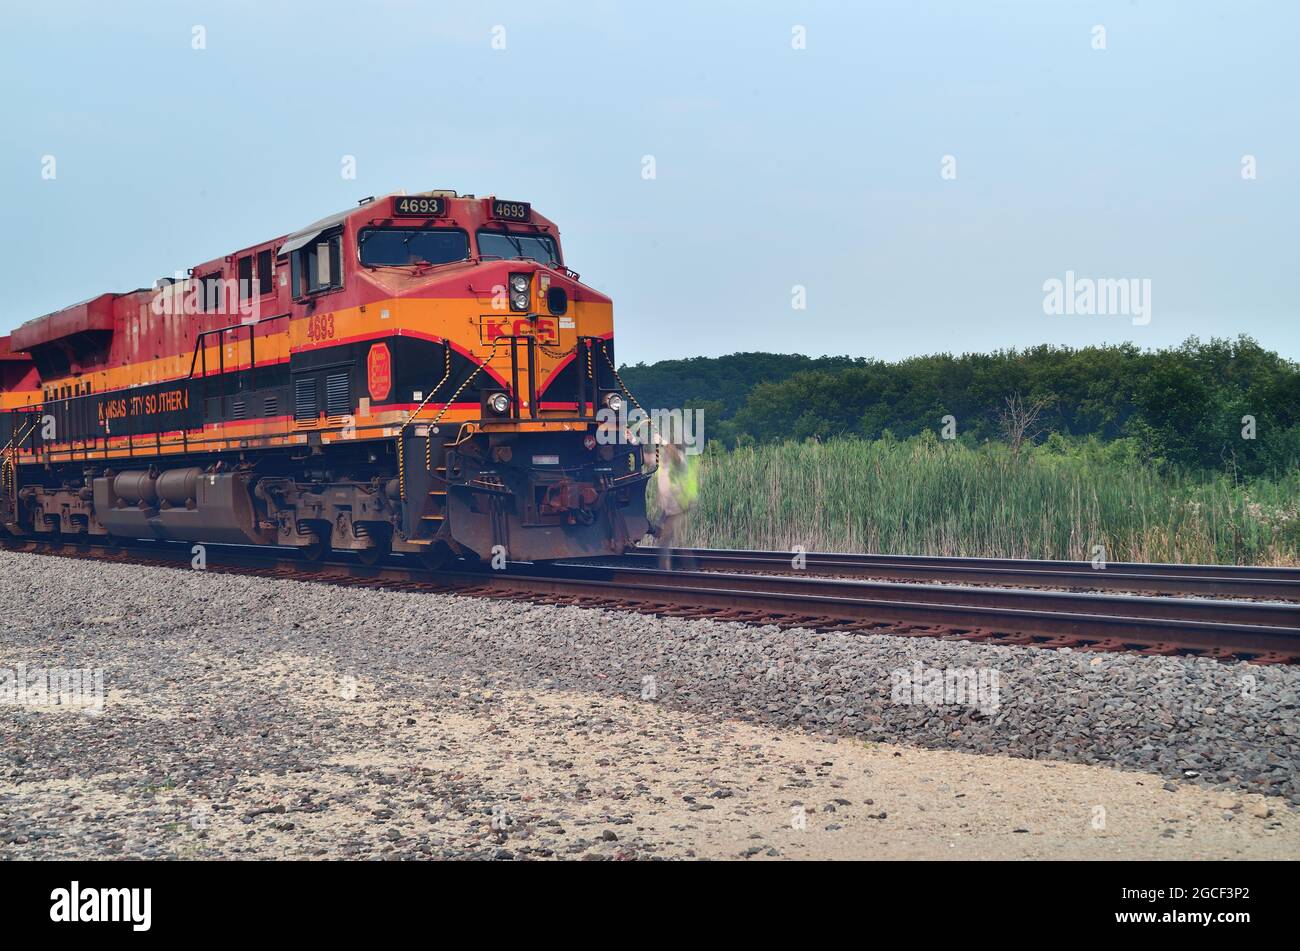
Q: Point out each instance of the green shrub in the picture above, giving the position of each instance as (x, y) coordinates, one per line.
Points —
(925, 496)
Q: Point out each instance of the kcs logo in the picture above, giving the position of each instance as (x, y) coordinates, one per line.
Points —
(543, 328)
(379, 372)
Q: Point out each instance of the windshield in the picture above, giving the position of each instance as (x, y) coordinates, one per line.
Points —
(500, 244)
(401, 246)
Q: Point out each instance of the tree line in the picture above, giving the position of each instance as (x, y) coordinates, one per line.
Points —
(1221, 404)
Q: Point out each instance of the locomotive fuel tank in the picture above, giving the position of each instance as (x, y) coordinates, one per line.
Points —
(186, 505)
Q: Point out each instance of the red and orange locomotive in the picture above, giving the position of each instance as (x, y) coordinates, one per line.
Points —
(419, 374)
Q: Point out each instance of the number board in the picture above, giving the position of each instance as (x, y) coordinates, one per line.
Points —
(511, 210)
(417, 206)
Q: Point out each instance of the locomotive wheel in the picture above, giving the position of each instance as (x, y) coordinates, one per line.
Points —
(54, 538)
(316, 551)
(383, 545)
(437, 557)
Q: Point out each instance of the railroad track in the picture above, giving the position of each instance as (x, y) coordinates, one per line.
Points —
(1258, 632)
(1238, 581)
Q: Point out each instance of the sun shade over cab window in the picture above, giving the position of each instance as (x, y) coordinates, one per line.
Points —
(508, 245)
(317, 265)
(395, 247)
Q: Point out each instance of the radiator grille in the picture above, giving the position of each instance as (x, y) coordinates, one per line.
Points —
(304, 399)
(338, 394)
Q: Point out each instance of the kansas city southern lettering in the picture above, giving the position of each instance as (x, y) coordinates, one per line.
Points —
(145, 404)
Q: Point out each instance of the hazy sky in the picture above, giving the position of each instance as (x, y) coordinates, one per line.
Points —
(773, 166)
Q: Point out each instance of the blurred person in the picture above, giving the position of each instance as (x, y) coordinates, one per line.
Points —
(677, 482)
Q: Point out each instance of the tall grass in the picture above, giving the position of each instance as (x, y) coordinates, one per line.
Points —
(923, 496)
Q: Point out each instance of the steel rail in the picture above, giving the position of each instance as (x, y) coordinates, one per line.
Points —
(838, 606)
(1131, 606)
(1222, 639)
(1227, 580)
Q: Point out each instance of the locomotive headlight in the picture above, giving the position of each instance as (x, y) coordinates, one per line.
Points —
(499, 403)
(614, 402)
(519, 287)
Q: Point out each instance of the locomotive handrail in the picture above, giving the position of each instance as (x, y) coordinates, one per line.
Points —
(201, 349)
(580, 347)
(198, 341)
(478, 369)
(9, 465)
(446, 349)
(515, 402)
(16, 440)
(428, 445)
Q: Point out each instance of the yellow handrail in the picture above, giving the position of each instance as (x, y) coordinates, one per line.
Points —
(8, 466)
(401, 455)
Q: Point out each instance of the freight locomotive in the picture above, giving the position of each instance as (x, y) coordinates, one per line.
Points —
(420, 374)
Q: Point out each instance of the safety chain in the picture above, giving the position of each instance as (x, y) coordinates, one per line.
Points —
(554, 352)
(605, 353)
(654, 436)
(446, 406)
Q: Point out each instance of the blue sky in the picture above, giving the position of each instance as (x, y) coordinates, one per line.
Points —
(774, 167)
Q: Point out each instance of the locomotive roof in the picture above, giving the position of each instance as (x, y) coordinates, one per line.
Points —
(304, 236)
(97, 313)
(7, 352)
(300, 239)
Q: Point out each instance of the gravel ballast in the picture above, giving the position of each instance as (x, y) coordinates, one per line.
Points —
(206, 675)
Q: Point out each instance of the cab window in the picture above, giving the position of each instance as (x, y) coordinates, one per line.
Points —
(318, 267)
(510, 245)
(399, 247)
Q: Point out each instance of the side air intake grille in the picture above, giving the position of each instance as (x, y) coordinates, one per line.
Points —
(304, 399)
(338, 395)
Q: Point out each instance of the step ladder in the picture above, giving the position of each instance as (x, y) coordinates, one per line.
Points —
(435, 506)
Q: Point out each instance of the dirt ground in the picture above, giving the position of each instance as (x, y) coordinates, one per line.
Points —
(544, 774)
